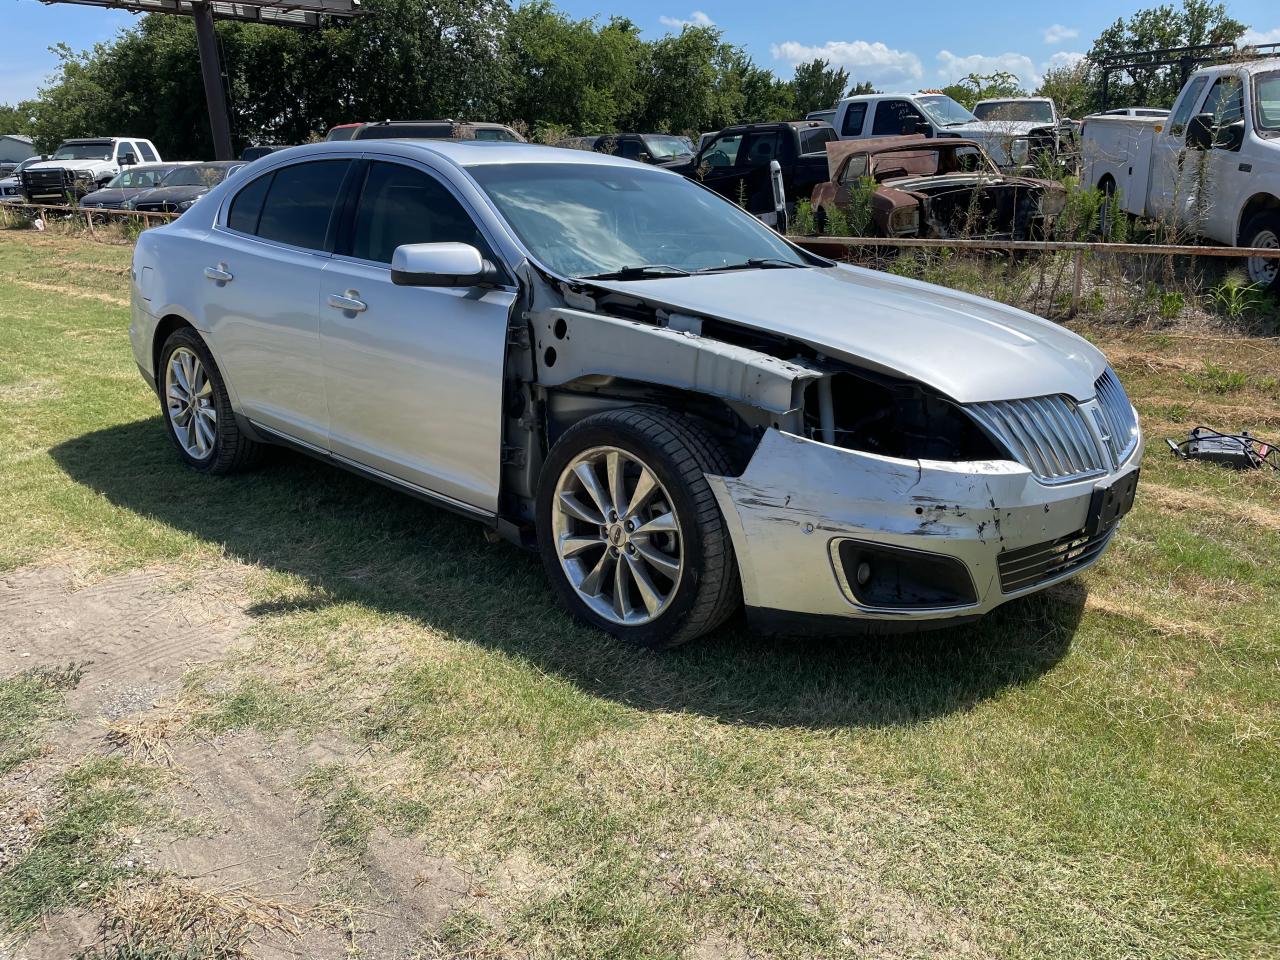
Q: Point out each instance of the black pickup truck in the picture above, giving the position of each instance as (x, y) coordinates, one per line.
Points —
(735, 163)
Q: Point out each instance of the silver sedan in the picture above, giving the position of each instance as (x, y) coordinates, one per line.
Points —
(678, 408)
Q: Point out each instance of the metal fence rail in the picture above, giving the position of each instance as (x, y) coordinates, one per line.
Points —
(89, 213)
(836, 246)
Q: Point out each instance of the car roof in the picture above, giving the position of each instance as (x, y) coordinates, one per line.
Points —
(460, 153)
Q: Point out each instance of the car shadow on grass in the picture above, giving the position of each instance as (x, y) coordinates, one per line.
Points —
(358, 542)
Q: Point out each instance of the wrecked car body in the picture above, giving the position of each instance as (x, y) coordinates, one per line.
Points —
(944, 188)
(679, 409)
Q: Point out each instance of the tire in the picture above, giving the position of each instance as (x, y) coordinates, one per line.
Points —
(1262, 230)
(218, 445)
(678, 452)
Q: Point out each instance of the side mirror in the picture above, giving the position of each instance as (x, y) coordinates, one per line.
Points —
(128, 160)
(910, 127)
(1200, 132)
(441, 265)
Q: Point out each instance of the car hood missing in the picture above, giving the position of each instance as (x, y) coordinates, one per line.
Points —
(968, 348)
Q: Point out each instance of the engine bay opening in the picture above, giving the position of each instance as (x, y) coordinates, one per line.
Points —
(893, 419)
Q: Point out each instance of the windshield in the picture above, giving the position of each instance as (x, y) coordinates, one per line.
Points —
(944, 111)
(581, 219)
(667, 148)
(1266, 93)
(195, 175)
(84, 151)
(136, 178)
(1032, 111)
(496, 133)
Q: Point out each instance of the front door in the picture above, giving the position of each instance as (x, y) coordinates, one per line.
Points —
(1171, 162)
(413, 375)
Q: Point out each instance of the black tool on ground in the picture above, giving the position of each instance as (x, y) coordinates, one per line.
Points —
(1243, 451)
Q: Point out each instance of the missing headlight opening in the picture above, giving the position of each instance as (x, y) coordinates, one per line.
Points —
(893, 419)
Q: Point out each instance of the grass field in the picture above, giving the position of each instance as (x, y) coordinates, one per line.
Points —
(450, 767)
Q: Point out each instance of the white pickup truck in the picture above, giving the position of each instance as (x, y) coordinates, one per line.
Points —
(1014, 144)
(1212, 167)
(78, 167)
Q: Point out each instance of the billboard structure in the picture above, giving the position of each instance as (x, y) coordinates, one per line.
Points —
(283, 13)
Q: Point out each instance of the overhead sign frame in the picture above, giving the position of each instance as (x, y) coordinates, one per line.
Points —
(304, 14)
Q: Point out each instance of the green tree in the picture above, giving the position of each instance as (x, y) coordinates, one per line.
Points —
(818, 86)
(1195, 22)
(1070, 87)
(860, 89)
(985, 86)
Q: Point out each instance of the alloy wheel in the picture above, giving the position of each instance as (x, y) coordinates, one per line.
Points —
(188, 394)
(617, 536)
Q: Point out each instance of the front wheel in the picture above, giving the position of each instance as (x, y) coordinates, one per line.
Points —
(196, 407)
(1263, 232)
(629, 531)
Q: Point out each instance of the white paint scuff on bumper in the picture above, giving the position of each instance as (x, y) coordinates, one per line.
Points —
(797, 497)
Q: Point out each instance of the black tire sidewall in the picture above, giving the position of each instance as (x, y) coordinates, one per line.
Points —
(588, 434)
(187, 337)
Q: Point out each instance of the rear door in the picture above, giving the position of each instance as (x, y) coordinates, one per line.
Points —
(261, 285)
(413, 375)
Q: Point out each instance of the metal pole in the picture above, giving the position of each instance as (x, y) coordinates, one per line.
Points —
(211, 72)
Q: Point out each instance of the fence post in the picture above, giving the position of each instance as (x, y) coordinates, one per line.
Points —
(1075, 284)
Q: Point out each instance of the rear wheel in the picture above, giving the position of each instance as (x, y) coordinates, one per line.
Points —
(629, 530)
(1263, 231)
(197, 410)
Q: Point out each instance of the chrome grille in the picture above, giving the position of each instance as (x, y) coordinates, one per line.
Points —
(1118, 415)
(1053, 436)
(1047, 435)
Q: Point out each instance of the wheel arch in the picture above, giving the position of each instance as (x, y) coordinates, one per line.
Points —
(1258, 203)
(165, 328)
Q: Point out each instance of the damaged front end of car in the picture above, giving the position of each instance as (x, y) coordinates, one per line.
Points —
(859, 497)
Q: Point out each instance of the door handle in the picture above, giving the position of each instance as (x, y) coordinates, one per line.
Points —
(347, 301)
(220, 274)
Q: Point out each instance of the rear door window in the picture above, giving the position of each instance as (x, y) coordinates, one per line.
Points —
(147, 153)
(815, 141)
(855, 115)
(297, 205)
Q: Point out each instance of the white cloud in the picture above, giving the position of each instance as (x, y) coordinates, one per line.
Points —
(696, 19)
(1261, 36)
(874, 62)
(1063, 58)
(1029, 73)
(952, 68)
(1057, 33)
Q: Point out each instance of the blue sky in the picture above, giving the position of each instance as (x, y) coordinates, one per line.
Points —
(925, 43)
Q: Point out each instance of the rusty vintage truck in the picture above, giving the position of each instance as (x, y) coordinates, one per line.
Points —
(917, 186)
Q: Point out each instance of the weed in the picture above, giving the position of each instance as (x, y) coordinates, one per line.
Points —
(1216, 379)
(1235, 296)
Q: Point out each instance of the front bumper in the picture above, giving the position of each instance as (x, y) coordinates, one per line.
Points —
(799, 500)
